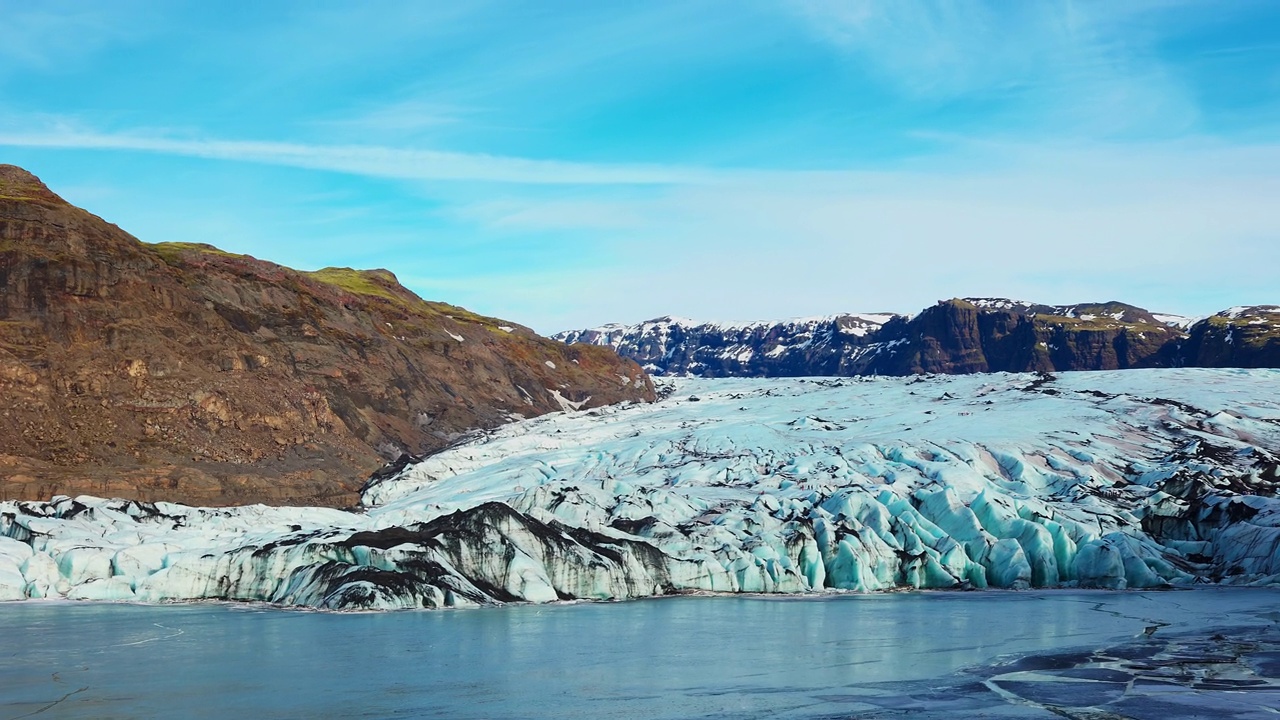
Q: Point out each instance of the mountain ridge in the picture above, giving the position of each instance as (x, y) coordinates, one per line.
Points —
(960, 335)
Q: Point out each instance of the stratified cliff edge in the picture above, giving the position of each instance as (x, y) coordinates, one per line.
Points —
(1247, 337)
(989, 335)
(184, 373)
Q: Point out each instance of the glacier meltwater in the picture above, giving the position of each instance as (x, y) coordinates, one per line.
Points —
(1120, 480)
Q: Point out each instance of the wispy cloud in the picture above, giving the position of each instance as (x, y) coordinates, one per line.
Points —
(1088, 66)
(371, 161)
(407, 117)
(928, 48)
(538, 214)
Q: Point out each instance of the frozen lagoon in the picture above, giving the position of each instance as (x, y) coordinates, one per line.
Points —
(1212, 652)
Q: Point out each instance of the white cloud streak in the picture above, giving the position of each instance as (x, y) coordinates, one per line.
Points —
(372, 161)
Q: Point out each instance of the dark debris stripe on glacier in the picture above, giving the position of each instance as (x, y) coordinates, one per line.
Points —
(1131, 479)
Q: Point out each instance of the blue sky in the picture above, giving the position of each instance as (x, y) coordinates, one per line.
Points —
(569, 164)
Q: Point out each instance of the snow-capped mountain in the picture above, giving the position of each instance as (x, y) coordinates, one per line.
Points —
(954, 336)
(784, 348)
(1144, 478)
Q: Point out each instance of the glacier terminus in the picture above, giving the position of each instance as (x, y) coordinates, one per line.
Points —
(1120, 480)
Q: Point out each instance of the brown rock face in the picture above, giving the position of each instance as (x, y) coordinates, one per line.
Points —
(184, 373)
(957, 336)
(1247, 337)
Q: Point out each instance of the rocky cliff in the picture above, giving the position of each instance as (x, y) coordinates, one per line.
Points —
(181, 372)
(991, 335)
(1246, 337)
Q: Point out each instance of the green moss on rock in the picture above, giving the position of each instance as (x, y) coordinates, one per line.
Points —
(171, 252)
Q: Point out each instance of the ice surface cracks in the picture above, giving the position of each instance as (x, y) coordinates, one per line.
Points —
(1230, 673)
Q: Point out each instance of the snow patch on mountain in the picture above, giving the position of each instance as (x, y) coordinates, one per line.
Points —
(1239, 311)
(1178, 321)
(1001, 304)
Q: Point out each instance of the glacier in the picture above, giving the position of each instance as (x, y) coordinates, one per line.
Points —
(1126, 479)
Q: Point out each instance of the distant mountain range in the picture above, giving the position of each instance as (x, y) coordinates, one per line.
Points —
(962, 335)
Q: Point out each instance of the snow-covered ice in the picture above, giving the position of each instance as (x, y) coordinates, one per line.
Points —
(1127, 479)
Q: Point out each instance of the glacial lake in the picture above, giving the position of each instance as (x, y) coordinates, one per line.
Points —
(1197, 653)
